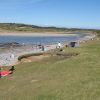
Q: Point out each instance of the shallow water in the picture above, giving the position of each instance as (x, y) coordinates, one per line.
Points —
(39, 40)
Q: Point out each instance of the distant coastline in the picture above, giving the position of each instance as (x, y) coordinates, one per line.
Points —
(13, 28)
(37, 34)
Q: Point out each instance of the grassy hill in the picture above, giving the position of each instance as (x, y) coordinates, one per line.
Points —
(28, 28)
(14, 27)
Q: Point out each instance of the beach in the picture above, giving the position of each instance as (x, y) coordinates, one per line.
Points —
(17, 50)
(37, 34)
(9, 54)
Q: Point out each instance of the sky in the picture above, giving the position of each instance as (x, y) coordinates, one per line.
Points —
(60, 13)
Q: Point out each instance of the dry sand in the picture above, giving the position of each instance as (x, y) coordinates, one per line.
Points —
(38, 34)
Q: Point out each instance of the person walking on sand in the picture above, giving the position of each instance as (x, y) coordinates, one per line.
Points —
(12, 56)
(59, 45)
(42, 48)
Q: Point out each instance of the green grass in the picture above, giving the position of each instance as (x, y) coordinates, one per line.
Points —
(75, 78)
(15, 27)
(20, 28)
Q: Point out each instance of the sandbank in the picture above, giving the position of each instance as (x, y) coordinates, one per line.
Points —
(37, 34)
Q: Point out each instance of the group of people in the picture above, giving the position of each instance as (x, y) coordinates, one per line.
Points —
(6, 72)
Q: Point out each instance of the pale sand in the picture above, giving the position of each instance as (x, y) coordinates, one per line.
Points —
(38, 34)
(7, 60)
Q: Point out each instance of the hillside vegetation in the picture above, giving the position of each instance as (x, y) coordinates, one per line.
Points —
(14, 27)
(28, 28)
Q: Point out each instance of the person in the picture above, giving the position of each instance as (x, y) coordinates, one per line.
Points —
(12, 56)
(4, 73)
(11, 69)
(0, 72)
(59, 45)
(42, 48)
(72, 44)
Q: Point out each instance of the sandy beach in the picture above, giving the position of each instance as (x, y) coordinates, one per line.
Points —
(37, 34)
(18, 50)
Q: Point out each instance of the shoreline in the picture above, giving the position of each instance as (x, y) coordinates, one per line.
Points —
(38, 34)
(8, 60)
(29, 49)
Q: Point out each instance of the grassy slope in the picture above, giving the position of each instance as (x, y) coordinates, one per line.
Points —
(14, 27)
(76, 78)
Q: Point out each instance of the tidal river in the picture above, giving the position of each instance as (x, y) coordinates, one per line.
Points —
(41, 39)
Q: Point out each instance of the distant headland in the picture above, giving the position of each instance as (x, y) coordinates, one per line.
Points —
(26, 29)
(17, 27)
